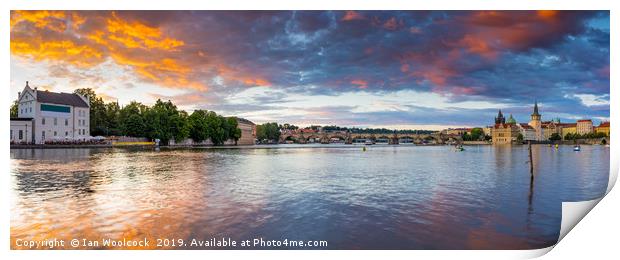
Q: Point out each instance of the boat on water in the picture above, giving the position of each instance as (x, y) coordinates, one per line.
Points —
(459, 148)
(368, 142)
(577, 148)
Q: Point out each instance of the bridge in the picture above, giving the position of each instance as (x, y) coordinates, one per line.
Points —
(350, 138)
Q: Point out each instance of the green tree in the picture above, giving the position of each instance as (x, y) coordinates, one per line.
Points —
(520, 137)
(182, 126)
(134, 126)
(268, 131)
(199, 129)
(131, 119)
(14, 109)
(112, 125)
(476, 134)
(98, 124)
(165, 122)
(215, 124)
(555, 137)
(232, 129)
(288, 126)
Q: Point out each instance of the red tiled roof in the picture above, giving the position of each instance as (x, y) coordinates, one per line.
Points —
(585, 120)
(604, 124)
(506, 125)
(526, 126)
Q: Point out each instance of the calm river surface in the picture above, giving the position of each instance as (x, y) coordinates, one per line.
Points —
(389, 197)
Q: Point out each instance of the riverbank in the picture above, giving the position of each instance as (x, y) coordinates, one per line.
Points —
(151, 145)
(78, 146)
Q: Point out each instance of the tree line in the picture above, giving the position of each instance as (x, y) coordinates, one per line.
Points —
(593, 135)
(163, 121)
(477, 134)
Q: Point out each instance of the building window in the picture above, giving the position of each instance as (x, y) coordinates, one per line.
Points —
(43, 121)
(30, 109)
(67, 133)
(11, 134)
(43, 134)
(54, 133)
(66, 121)
(55, 121)
(21, 135)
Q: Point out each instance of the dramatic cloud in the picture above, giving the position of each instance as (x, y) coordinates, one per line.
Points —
(205, 59)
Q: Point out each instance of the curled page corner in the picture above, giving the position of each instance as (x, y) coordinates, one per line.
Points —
(613, 171)
(573, 212)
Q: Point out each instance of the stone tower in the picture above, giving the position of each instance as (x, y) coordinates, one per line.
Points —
(500, 118)
(536, 123)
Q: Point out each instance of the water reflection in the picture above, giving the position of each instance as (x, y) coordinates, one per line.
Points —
(389, 197)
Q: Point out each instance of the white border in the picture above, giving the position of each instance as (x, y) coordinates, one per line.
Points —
(610, 203)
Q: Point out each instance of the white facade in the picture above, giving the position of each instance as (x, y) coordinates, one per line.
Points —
(55, 116)
(584, 126)
(529, 134)
(21, 131)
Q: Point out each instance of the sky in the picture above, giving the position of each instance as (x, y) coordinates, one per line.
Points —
(393, 69)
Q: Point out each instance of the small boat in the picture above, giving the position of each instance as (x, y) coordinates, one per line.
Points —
(368, 142)
(577, 148)
(459, 148)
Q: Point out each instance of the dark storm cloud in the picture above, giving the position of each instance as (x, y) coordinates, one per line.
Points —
(511, 57)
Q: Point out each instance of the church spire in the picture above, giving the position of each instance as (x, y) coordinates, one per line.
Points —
(500, 118)
(535, 109)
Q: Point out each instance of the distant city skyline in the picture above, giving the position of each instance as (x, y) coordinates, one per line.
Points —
(380, 69)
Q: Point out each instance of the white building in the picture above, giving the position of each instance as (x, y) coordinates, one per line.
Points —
(528, 132)
(21, 130)
(53, 116)
(584, 126)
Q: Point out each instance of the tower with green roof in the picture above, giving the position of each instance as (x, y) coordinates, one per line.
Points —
(511, 120)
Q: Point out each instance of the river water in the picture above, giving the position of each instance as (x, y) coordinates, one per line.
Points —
(388, 197)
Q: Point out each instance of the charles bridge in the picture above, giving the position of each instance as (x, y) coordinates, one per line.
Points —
(350, 138)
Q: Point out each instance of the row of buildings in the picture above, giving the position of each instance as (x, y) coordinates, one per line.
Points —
(507, 131)
(44, 116)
